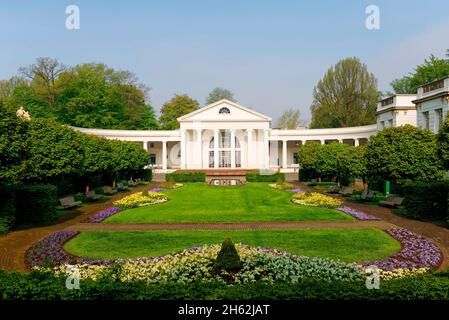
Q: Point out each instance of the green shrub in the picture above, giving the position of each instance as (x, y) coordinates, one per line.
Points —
(6, 224)
(228, 258)
(45, 286)
(427, 199)
(186, 176)
(7, 208)
(36, 203)
(257, 177)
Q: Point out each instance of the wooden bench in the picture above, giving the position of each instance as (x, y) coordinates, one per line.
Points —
(91, 195)
(347, 191)
(108, 190)
(68, 202)
(122, 187)
(392, 202)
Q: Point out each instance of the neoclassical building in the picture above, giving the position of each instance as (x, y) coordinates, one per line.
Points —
(227, 135)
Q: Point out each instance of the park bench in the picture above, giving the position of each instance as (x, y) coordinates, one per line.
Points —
(68, 202)
(132, 183)
(108, 190)
(392, 202)
(367, 195)
(333, 189)
(122, 187)
(91, 195)
(347, 191)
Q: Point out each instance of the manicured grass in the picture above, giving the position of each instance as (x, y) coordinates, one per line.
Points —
(199, 203)
(344, 244)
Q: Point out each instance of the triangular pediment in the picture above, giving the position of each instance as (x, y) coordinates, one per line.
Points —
(224, 110)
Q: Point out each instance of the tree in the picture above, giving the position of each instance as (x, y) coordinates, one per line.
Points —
(307, 160)
(290, 119)
(351, 163)
(345, 97)
(13, 146)
(7, 87)
(443, 144)
(402, 154)
(218, 94)
(87, 95)
(178, 106)
(326, 163)
(44, 75)
(432, 69)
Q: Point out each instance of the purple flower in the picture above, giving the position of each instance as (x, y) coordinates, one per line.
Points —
(416, 252)
(357, 214)
(296, 190)
(100, 216)
(157, 189)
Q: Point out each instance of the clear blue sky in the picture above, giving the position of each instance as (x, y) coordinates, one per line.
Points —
(269, 53)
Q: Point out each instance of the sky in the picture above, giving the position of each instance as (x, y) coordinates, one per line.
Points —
(270, 54)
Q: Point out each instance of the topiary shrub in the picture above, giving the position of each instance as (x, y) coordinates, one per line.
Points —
(228, 258)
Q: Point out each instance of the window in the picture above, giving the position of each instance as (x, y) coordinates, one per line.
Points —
(152, 158)
(425, 116)
(225, 151)
(211, 159)
(224, 110)
(390, 122)
(438, 119)
(151, 145)
(382, 124)
(295, 158)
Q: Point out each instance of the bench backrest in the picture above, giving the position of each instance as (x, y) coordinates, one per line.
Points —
(107, 189)
(90, 194)
(348, 190)
(397, 200)
(67, 201)
(120, 185)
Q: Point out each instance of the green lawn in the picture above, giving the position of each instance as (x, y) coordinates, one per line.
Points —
(199, 203)
(344, 244)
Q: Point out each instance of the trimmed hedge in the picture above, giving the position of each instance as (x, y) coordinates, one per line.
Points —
(45, 286)
(7, 209)
(257, 177)
(35, 203)
(186, 176)
(427, 199)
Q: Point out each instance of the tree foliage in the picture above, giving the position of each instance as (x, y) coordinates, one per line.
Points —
(402, 154)
(432, 69)
(87, 95)
(351, 162)
(289, 119)
(178, 106)
(218, 94)
(443, 143)
(326, 163)
(307, 155)
(345, 97)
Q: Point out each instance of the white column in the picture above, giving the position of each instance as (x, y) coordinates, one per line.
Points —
(145, 145)
(323, 141)
(183, 149)
(266, 149)
(249, 156)
(164, 155)
(356, 142)
(284, 154)
(216, 131)
(232, 149)
(200, 148)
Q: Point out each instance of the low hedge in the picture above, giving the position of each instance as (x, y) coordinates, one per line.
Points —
(7, 208)
(427, 199)
(257, 177)
(45, 286)
(35, 203)
(186, 176)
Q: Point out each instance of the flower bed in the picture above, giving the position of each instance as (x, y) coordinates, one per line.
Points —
(282, 185)
(316, 200)
(102, 215)
(140, 199)
(416, 252)
(357, 214)
(417, 256)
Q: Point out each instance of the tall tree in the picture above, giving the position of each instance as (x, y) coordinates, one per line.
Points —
(345, 97)
(87, 95)
(178, 106)
(218, 94)
(432, 69)
(7, 87)
(44, 75)
(289, 119)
